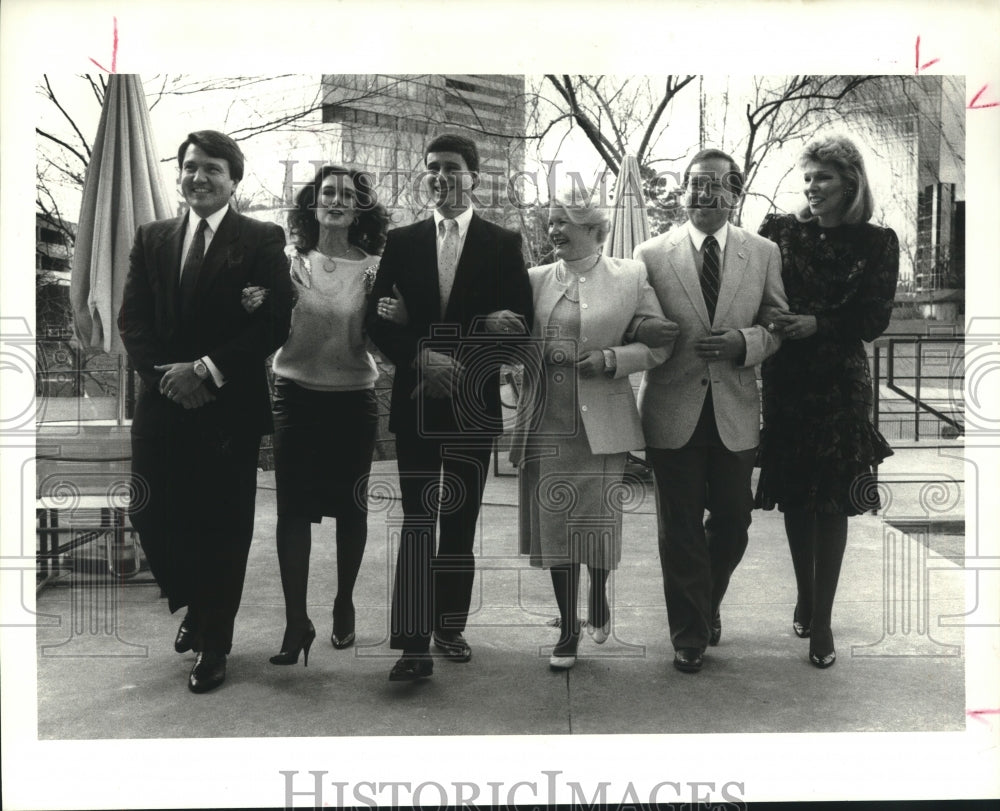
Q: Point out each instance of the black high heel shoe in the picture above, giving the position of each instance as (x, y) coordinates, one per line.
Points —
(290, 653)
(801, 630)
(822, 660)
(343, 625)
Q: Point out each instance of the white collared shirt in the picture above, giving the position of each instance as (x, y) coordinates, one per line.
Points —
(213, 220)
(698, 239)
(462, 220)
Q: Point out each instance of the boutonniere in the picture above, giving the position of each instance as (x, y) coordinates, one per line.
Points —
(368, 274)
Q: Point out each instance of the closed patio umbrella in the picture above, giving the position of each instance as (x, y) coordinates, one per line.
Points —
(629, 227)
(629, 221)
(122, 190)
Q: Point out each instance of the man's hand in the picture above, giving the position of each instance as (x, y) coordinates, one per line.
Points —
(590, 364)
(722, 345)
(790, 325)
(657, 332)
(178, 381)
(504, 322)
(199, 397)
(437, 374)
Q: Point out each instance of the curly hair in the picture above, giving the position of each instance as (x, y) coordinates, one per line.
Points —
(841, 153)
(367, 232)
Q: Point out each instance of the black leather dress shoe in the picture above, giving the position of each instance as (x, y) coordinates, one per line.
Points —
(716, 633)
(185, 637)
(688, 660)
(209, 672)
(412, 666)
(453, 645)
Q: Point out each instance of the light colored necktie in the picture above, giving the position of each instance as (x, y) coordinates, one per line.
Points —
(448, 261)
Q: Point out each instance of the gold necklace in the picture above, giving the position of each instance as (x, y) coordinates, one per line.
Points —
(330, 262)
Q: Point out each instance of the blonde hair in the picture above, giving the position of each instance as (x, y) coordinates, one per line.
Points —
(584, 210)
(841, 153)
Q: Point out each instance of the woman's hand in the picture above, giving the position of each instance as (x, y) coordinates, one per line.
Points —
(394, 309)
(790, 325)
(657, 332)
(253, 297)
(505, 322)
(590, 364)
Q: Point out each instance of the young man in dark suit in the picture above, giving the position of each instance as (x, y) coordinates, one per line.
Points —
(461, 279)
(204, 403)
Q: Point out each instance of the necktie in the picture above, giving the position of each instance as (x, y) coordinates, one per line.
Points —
(448, 261)
(192, 264)
(710, 275)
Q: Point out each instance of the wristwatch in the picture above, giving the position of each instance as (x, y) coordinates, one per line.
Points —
(610, 361)
(201, 369)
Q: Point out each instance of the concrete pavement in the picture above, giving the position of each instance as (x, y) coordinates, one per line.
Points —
(107, 669)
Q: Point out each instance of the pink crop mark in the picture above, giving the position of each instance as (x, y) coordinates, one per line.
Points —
(975, 98)
(980, 715)
(920, 67)
(114, 52)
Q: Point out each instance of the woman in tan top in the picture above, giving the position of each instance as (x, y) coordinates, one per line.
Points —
(325, 411)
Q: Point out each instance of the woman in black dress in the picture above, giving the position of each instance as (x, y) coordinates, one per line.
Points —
(818, 445)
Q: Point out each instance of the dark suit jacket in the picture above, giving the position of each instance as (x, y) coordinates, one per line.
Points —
(490, 276)
(242, 252)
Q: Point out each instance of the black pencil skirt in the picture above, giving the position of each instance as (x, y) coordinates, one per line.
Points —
(323, 447)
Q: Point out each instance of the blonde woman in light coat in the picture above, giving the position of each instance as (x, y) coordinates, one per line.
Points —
(577, 416)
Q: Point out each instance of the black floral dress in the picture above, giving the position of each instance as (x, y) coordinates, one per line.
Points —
(818, 444)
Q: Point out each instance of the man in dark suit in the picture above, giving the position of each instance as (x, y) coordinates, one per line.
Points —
(701, 410)
(462, 280)
(204, 403)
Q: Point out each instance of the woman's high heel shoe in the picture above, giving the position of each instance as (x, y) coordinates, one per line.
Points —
(822, 660)
(290, 653)
(343, 626)
(801, 629)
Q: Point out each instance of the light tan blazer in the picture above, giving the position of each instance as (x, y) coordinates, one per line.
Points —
(610, 297)
(672, 395)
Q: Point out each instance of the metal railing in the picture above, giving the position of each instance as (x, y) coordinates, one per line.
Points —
(926, 373)
(918, 383)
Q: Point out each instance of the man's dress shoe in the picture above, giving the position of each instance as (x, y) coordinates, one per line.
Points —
(412, 666)
(209, 672)
(453, 645)
(688, 660)
(716, 632)
(185, 637)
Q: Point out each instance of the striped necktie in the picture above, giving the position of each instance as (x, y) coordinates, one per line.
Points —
(710, 275)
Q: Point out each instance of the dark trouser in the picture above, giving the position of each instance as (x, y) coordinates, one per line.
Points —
(437, 478)
(699, 558)
(193, 505)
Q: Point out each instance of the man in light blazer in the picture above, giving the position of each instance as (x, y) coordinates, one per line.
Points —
(457, 274)
(701, 409)
(204, 403)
